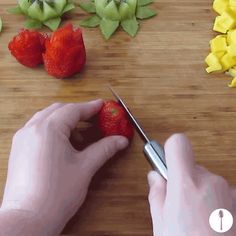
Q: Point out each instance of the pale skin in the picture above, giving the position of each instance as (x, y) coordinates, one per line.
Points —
(42, 160)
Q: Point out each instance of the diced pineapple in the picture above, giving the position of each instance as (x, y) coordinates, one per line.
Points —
(231, 36)
(233, 83)
(227, 61)
(220, 5)
(225, 22)
(219, 45)
(232, 50)
(232, 3)
(213, 63)
(232, 72)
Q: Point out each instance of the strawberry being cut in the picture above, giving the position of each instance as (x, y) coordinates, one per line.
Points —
(113, 120)
(65, 52)
(27, 47)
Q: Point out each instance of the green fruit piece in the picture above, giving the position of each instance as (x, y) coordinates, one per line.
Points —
(91, 22)
(145, 13)
(125, 11)
(100, 6)
(131, 26)
(68, 7)
(24, 5)
(15, 10)
(33, 24)
(48, 12)
(133, 6)
(88, 7)
(0, 24)
(111, 12)
(144, 2)
(108, 27)
(35, 12)
(53, 24)
(59, 5)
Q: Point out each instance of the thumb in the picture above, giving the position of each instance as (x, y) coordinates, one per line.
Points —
(98, 153)
(157, 195)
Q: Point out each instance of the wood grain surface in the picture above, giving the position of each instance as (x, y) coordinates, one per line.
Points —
(161, 75)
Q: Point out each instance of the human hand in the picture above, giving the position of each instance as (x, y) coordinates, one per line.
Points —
(182, 205)
(46, 175)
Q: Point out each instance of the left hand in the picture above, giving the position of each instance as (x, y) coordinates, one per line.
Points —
(47, 177)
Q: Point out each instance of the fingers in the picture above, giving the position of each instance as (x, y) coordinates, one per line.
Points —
(179, 158)
(157, 195)
(68, 116)
(39, 116)
(98, 153)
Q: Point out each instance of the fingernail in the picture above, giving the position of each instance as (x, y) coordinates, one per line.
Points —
(122, 142)
(97, 101)
(151, 178)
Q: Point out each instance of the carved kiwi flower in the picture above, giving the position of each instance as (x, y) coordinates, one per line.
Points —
(42, 12)
(112, 13)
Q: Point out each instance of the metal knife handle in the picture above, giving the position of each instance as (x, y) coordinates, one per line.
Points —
(156, 156)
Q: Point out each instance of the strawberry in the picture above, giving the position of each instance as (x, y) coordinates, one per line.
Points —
(113, 120)
(27, 47)
(65, 52)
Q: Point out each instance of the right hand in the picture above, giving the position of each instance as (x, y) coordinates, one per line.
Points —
(182, 205)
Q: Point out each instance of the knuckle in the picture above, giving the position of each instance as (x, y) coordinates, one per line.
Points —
(18, 134)
(31, 131)
(57, 104)
(174, 139)
(51, 123)
(152, 194)
(218, 180)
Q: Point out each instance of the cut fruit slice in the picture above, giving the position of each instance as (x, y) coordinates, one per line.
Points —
(220, 5)
(213, 63)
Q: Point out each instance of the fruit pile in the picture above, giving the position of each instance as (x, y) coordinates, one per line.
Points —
(42, 12)
(109, 14)
(222, 57)
(63, 53)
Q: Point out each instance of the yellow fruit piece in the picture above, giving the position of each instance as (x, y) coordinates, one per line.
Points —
(232, 3)
(231, 36)
(213, 63)
(220, 5)
(219, 45)
(233, 83)
(227, 61)
(232, 72)
(232, 50)
(225, 22)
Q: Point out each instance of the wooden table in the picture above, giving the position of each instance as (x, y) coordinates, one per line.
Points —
(161, 75)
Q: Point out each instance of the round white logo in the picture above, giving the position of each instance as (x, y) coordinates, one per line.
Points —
(221, 220)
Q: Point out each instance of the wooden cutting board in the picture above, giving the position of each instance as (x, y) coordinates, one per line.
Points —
(161, 75)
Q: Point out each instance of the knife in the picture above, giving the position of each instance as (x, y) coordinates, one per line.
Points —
(153, 150)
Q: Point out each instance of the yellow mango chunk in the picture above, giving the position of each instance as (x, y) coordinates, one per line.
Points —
(232, 50)
(213, 63)
(233, 83)
(231, 36)
(225, 22)
(227, 61)
(220, 5)
(219, 45)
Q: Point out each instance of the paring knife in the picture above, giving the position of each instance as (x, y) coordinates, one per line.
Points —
(153, 150)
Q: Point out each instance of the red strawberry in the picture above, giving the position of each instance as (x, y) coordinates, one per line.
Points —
(113, 120)
(65, 52)
(27, 47)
